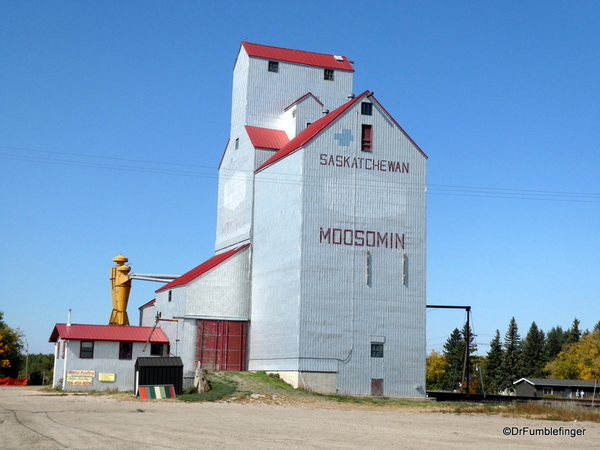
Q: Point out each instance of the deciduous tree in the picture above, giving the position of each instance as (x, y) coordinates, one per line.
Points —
(578, 361)
(10, 350)
(436, 368)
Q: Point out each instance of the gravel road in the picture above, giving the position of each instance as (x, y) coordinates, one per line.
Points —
(33, 419)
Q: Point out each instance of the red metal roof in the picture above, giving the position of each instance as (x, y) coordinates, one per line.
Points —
(311, 131)
(316, 127)
(297, 56)
(150, 303)
(309, 94)
(202, 268)
(267, 137)
(106, 333)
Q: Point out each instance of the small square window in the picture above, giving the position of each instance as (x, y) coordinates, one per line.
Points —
(86, 350)
(328, 75)
(273, 66)
(156, 349)
(125, 350)
(366, 109)
(376, 350)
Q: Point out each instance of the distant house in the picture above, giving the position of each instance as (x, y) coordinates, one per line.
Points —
(548, 387)
(102, 357)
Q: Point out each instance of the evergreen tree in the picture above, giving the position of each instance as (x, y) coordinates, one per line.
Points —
(511, 364)
(574, 333)
(492, 368)
(454, 352)
(533, 358)
(597, 326)
(555, 339)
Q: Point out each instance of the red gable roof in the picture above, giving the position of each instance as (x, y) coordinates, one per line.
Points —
(308, 94)
(107, 333)
(267, 137)
(316, 127)
(150, 303)
(311, 131)
(298, 56)
(202, 268)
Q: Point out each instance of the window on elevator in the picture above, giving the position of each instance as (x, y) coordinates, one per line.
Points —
(366, 138)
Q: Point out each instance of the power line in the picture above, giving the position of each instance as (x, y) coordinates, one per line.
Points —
(348, 179)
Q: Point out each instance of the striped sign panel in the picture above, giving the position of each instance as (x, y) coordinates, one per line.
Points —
(157, 392)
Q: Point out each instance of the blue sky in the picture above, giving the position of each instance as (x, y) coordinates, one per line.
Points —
(114, 116)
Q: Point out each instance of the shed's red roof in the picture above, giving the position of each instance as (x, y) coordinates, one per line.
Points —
(267, 137)
(297, 56)
(202, 268)
(124, 333)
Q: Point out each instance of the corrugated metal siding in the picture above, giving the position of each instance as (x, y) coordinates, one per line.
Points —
(340, 312)
(336, 313)
(222, 292)
(274, 325)
(270, 93)
(105, 360)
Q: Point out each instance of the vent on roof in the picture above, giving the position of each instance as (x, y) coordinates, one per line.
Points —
(325, 112)
(338, 57)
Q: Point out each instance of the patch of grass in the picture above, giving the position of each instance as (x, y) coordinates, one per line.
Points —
(272, 379)
(218, 391)
(566, 412)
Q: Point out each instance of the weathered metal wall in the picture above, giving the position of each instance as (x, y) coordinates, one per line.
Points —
(360, 208)
(259, 98)
(344, 242)
(105, 360)
(223, 292)
(276, 251)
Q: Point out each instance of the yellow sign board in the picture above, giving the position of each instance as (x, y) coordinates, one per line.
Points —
(107, 377)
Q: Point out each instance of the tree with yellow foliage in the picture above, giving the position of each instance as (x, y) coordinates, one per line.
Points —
(579, 360)
(10, 350)
(436, 367)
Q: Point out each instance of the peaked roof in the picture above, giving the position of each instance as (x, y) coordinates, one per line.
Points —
(311, 131)
(202, 268)
(298, 56)
(316, 127)
(267, 137)
(150, 303)
(125, 333)
(308, 94)
(555, 382)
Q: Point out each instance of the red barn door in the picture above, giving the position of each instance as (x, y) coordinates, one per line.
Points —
(221, 344)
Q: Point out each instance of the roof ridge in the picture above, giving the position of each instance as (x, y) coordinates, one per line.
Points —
(312, 131)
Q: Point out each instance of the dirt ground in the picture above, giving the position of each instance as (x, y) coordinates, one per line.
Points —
(35, 419)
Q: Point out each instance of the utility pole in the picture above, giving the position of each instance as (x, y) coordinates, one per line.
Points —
(465, 374)
(27, 360)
